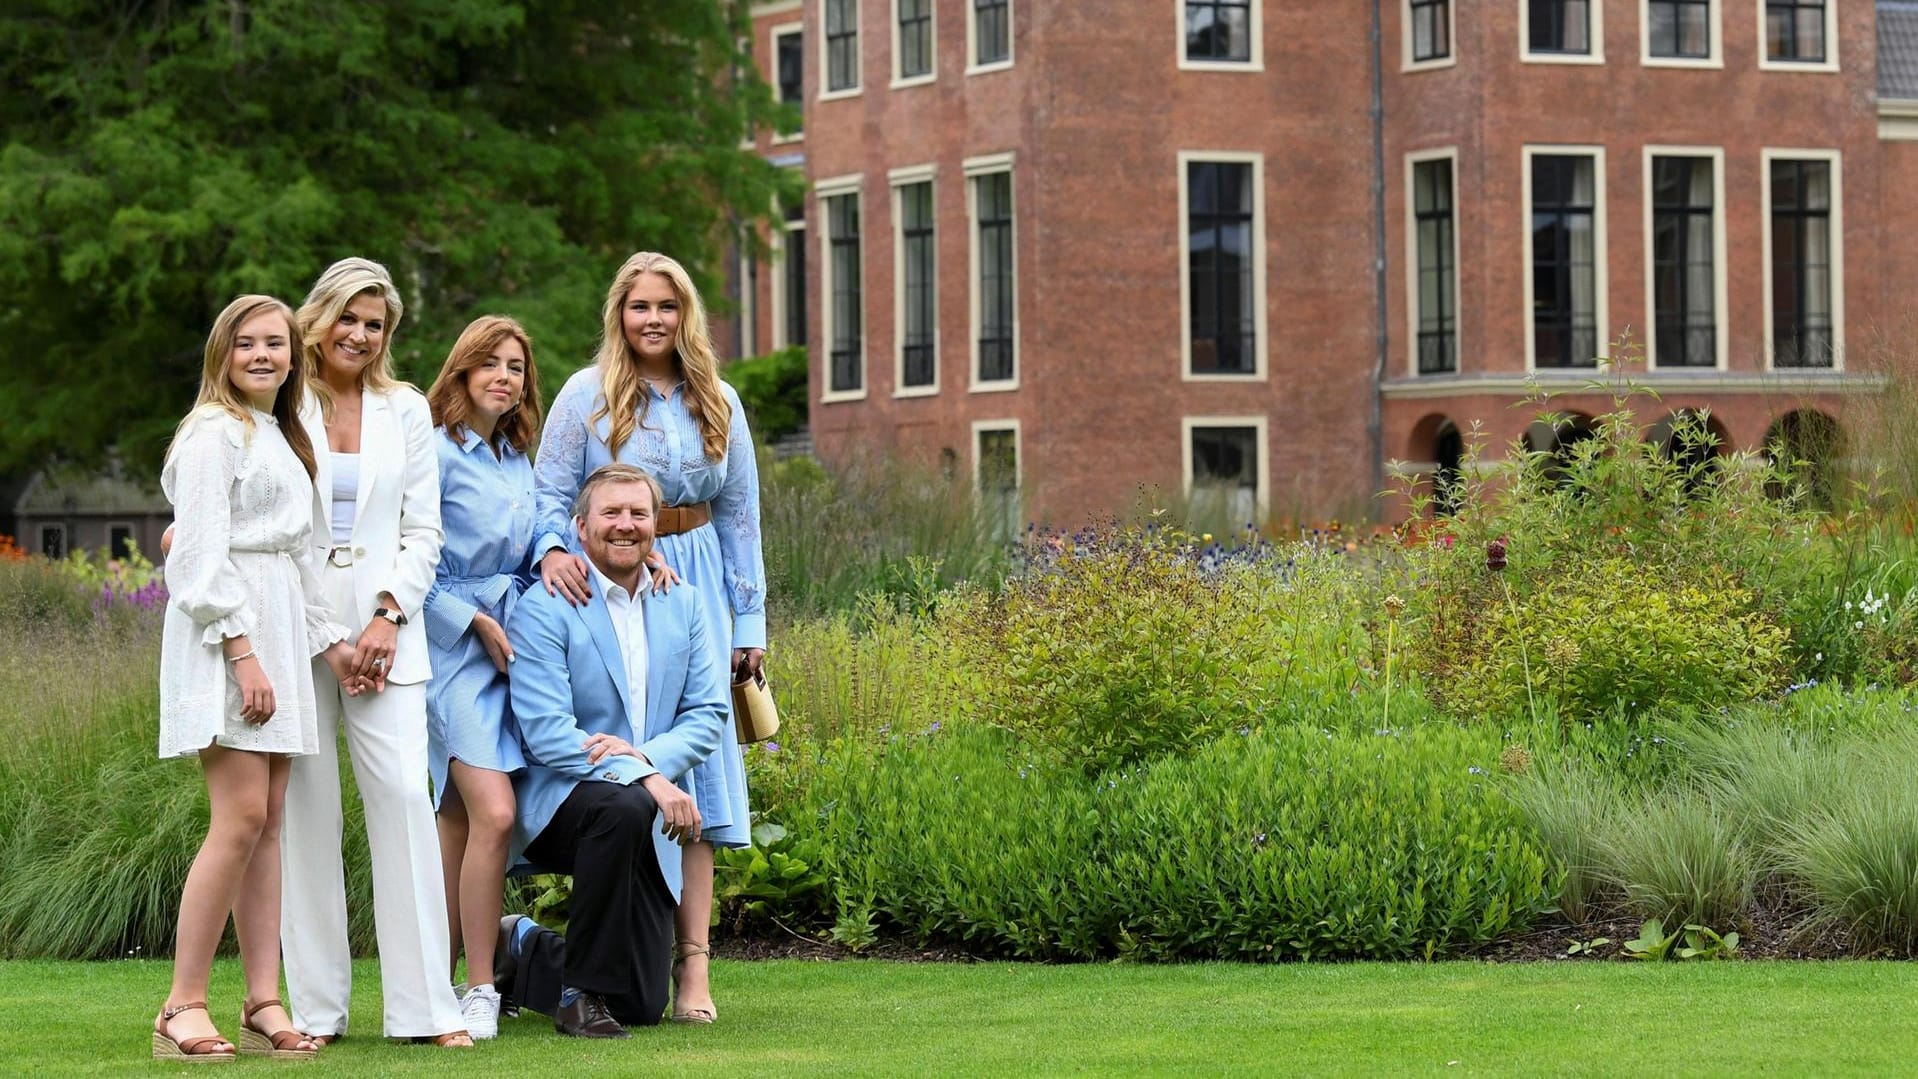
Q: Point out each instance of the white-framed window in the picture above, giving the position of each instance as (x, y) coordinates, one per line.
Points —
(1685, 270)
(915, 277)
(1227, 481)
(748, 336)
(1798, 35)
(915, 42)
(1804, 258)
(789, 74)
(1222, 304)
(1561, 31)
(1431, 260)
(839, 57)
(992, 243)
(1565, 258)
(996, 475)
(988, 35)
(842, 317)
(789, 284)
(53, 540)
(1427, 36)
(1220, 35)
(1681, 33)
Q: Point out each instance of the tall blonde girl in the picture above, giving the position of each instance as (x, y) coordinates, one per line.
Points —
(653, 398)
(236, 689)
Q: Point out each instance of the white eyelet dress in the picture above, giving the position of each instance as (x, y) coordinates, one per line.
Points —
(240, 564)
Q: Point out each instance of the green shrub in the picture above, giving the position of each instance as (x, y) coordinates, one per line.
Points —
(1120, 653)
(1290, 843)
(1634, 569)
(1614, 638)
(772, 388)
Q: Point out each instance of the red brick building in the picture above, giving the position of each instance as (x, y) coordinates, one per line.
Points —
(1256, 251)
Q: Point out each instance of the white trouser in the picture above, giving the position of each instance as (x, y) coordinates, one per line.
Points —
(386, 736)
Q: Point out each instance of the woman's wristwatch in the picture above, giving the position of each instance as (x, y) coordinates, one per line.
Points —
(390, 614)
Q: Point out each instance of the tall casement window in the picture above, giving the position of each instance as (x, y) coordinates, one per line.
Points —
(789, 321)
(1803, 262)
(789, 69)
(994, 289)
(912, 43)
(1679, 29)
(991, 32)
(842, 45)
(845, 311)
(1437, 269)
(1565, 252)
(1221, 32)
(1684, 262)
(1558, 26)
(1225, 465)
(995, 463)
(1796, 31)
(1431, 30)
(1223, 269)
(917, 287)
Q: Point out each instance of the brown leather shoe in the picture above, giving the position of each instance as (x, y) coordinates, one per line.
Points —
(587, 1017)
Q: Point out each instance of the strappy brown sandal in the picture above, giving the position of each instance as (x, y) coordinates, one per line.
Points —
(683, 951)
(288, 1044)
(452, 1039)
(193, 1050)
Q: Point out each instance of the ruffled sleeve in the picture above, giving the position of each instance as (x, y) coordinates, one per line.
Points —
(199, 480)
(736, 519)
(561, 466)
(322, 626)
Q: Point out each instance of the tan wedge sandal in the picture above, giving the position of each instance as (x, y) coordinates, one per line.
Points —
(683, 951)
(193, 1050)
(288, 1044)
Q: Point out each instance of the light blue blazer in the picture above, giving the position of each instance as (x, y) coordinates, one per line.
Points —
(569, 681)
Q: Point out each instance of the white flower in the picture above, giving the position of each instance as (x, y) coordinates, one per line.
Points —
(1819, 658)
(1858, 625)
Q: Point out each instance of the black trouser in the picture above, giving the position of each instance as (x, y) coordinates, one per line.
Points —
(621, 921)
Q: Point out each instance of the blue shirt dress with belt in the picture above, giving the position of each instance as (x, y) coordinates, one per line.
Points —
(720, 560)
(487, 508)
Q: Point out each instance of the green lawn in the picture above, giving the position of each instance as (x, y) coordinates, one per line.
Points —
(877, 1018)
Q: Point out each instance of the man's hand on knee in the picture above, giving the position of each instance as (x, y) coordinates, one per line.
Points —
(677, 810)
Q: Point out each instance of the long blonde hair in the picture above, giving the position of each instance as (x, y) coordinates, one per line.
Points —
(216, 383)
(338, 286)
(622, 397)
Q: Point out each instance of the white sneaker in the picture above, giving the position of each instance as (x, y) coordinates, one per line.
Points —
(480, 1006)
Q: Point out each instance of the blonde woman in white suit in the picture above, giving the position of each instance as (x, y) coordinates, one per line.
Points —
(377, 535)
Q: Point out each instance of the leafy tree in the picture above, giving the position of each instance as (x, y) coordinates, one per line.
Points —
(161, 158)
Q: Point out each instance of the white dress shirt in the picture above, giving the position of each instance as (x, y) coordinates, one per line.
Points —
(629, 625)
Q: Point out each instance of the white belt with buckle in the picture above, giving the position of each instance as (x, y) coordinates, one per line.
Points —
(340, 556)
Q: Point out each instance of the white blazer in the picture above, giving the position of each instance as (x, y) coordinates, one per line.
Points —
(396, 535)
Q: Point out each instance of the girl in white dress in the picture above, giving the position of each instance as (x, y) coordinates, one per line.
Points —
(236, 688)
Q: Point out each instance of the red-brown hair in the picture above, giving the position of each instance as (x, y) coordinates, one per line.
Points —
(448, 397)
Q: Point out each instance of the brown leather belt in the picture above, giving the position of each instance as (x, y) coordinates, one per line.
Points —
(676, 519)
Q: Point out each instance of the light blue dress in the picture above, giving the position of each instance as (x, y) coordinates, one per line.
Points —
(487, 509)
(721, 561)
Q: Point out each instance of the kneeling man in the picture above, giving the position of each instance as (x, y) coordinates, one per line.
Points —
(617, 699)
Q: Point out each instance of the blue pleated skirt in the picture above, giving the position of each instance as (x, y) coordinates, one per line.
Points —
(719, 785)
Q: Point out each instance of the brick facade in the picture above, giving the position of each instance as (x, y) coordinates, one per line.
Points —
(1095, 111)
